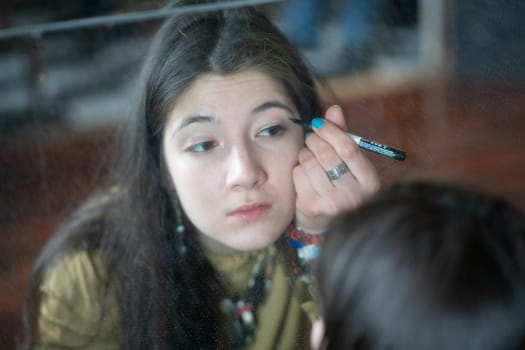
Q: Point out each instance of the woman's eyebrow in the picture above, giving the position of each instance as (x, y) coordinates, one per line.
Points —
(194, 119)
(271, 104)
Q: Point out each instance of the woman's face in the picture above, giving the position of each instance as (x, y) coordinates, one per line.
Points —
(230, 148)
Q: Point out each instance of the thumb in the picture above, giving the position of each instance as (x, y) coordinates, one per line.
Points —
(335, 115)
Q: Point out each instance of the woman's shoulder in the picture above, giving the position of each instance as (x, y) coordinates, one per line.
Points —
(78, 302)
(80, 273)
(78, 281)
(76, 251)
(75, 282)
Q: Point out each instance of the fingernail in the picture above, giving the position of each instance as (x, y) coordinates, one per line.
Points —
(317, 123)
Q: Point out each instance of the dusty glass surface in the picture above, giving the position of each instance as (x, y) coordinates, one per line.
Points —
(427, 73)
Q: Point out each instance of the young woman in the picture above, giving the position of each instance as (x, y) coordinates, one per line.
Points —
(187, 245)
(427, 266)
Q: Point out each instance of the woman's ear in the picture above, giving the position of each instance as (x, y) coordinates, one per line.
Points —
(317, 333)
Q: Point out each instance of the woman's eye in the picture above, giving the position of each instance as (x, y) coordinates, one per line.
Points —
(201, 147)
(271, 131)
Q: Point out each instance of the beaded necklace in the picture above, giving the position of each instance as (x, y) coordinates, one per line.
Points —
(242, 308)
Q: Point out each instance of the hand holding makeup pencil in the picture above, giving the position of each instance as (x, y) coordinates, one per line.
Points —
(332, 176)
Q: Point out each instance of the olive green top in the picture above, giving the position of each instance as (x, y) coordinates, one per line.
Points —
(73, 300)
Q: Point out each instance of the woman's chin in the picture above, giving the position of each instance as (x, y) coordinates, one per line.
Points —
(242, 243)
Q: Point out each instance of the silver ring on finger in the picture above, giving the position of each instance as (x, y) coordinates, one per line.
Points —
(337, 172)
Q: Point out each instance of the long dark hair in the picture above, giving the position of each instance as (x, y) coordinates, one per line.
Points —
(425, 266)
(169, 298)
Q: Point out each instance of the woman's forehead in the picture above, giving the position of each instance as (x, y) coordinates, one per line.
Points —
(212, 93)
(245, 82)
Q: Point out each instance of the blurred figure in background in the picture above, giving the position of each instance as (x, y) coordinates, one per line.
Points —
(424, 266)
(349, 48)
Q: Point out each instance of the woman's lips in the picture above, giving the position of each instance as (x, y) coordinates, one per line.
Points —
(250, 212)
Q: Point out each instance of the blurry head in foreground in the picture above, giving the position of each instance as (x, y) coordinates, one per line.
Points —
(424, 266)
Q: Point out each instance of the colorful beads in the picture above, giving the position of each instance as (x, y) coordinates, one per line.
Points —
(305, 238)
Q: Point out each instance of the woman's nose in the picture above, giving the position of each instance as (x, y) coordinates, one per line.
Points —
(245, 169)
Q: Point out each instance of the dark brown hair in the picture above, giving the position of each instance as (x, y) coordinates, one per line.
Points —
(425, 266)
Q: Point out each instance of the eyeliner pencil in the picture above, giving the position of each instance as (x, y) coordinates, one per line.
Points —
(365, 144)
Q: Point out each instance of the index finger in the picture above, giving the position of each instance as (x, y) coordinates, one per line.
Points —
(348, 151)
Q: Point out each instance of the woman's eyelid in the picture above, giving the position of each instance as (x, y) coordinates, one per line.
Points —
(277, 128)
(201, 146)
(199, 139)
(279, 120)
